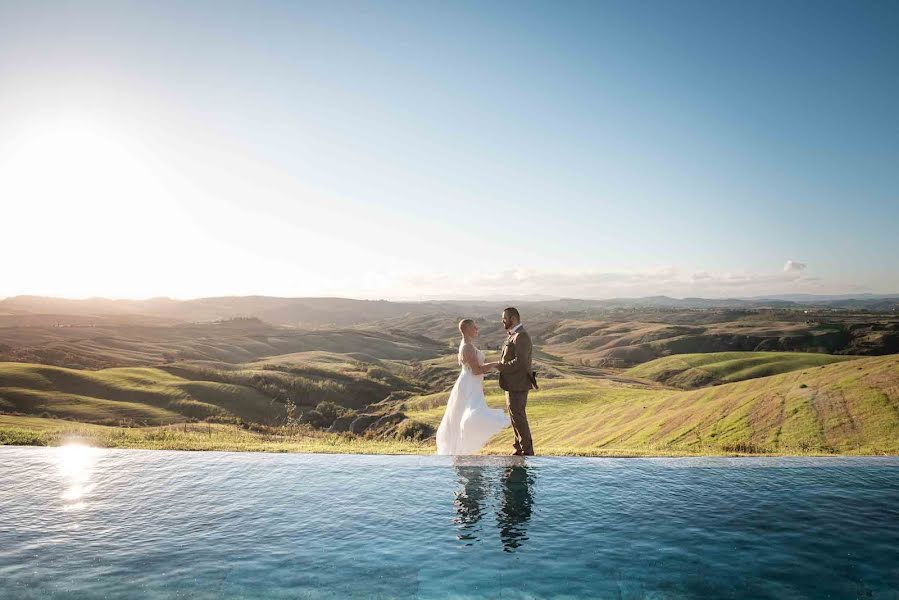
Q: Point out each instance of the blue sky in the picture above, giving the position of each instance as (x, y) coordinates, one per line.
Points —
(419, 149)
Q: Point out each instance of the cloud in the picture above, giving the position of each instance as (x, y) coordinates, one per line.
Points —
(598, 284)
(792, 266)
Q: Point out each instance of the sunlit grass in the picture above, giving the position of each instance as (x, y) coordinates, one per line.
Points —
(712, 368)
(847, 407)
(141, 394)
(35, 431)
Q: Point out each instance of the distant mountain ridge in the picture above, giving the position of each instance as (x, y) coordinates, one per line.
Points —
(822, 297)
(305, 312)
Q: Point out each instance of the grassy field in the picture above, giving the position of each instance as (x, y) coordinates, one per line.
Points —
(228, 373)
(628, 340)
(713, 368)
(239, 341)
(36, 431)
(198, 390)
(849, 407)
(843, 407)
(138, 395)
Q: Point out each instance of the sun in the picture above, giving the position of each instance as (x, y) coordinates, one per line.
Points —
(66, 163)
(92, 210)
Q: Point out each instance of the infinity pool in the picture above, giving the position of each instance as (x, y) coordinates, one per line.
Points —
(83, 523)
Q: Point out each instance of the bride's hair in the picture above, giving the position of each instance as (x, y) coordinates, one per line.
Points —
(463, 325)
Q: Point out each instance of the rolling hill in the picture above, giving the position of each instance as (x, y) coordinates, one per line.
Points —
(235, 341)
(844, 407)
(132, 396)
(615, 377)
(255, 392)
(713, 368)
(622, 343)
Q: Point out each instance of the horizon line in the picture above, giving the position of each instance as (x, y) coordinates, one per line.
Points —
(523, 298)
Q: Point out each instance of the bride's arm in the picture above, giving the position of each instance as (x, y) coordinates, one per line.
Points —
(470, 358)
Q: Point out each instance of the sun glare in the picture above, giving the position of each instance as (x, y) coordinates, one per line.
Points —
(75, 463)
(92, 209)
(72, 166)
(104, 208)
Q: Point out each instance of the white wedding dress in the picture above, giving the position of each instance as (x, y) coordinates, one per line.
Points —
(468, 422)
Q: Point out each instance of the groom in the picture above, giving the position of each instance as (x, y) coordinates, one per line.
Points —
(515, 378)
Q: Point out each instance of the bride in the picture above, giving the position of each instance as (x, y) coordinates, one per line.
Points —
(468, 422)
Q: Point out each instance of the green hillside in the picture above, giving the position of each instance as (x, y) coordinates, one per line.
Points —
(848, 406)
(255, 392)
(238, 341)
(629, 339)
(843, 407)
(700, 370)
(143, 396)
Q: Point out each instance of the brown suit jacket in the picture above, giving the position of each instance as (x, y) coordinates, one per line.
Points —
(515, 364)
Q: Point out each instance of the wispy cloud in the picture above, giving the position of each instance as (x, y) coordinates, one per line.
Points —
(607, 284)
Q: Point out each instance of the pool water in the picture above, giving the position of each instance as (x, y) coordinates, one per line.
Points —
(86, 523)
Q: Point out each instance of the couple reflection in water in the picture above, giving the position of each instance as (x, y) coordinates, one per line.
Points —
(513, 503)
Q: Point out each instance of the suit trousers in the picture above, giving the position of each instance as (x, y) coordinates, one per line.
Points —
(517, 402)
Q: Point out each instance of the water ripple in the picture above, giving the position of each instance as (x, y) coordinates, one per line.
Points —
(83, 523)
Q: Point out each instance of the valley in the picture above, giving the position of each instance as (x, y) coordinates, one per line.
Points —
(615, 380)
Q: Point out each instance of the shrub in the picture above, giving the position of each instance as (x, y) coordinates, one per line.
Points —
(224, 419)
(325, 414)
(378, 372)
(414, 430)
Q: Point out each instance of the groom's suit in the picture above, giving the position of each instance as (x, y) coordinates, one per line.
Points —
(515, 379)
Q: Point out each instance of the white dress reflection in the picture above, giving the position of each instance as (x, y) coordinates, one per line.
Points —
(470, 502)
